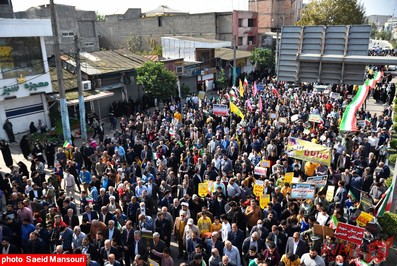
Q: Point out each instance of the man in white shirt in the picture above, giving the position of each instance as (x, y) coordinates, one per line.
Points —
(322, 217)
(312, 259)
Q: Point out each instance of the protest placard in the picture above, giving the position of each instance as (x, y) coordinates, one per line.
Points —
(349, 233)
(260, 171)
(319, 181)
(294, 118)
(303, 191)
(264, 163)
(203, 189)
(288, 177)
(316, 118)
(363, 219)
(273, 116)
(308, 151)
(258, 190)
(220, 109)
(264, 200)
(321, 230)
(283, 120)
(330, 193)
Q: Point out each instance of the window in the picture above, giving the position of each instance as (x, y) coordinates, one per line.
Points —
(240, 41)
(240, 22)
(88, 44)
(20, 56)
(68, 34)
(250, 40)
(159, 21)
(251, 22)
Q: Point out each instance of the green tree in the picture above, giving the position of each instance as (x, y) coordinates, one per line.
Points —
(262, 58)
(157, 81)
(99, 17)
(221, 80)
(332, 12)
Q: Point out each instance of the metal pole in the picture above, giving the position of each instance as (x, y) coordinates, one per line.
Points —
(61, 88)
(277, 42)
(83, 127)
(234, 60)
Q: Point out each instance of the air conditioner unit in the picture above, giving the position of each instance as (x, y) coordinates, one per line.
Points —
(86, 85)
(179, 70)
(249, 42)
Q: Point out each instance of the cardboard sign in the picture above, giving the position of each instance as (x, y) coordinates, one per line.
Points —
(365, 203)
(258, 190)
(264, 200)
(306, 131)
(264, 163)
(363, 219)
(283, 120)
(203, 189)
(335, 95)
(220, 110)
(361, 123)
(294, 118)
(319, 181)
(201, 95)
(350, 233)
(330, 193)
(288, 177)
(273, 116)
(260, 170)
(303, 191)
(321, 230)
(315, 118)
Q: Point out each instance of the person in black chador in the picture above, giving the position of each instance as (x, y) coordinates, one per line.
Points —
(25, 147)
(8, 129)
(50, 153)
(5, 150)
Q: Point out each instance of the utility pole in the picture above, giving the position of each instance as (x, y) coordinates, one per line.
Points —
(234, 60)
(80, 89)
(61, 88)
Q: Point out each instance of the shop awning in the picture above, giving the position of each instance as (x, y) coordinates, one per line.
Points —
(91, 96)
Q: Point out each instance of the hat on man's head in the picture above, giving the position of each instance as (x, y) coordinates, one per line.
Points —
(190, 221)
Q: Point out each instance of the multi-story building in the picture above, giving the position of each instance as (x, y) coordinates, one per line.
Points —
(6, 10)
(24, 72)
(273, 14)
(70, 22)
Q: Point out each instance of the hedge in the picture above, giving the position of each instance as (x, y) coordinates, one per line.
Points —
(388, 222)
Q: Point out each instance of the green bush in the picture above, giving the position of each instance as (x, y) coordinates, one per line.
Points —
(389, 181)
(393, 143)
(395, 127)
(388, 223)
(392, 158)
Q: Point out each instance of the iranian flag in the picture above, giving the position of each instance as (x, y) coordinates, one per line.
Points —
(245, 82)
(232, 95)
(349, 120)
(385, 204)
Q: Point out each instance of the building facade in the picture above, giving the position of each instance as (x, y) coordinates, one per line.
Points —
(273, 14)
(24, 72)
(70, 22)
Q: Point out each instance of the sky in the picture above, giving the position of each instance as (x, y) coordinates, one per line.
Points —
(106, 7)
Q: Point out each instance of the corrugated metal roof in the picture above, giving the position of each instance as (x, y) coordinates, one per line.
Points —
(102, 62)
(228, 54)
(69, 80)
(163, 10)
(199, 40)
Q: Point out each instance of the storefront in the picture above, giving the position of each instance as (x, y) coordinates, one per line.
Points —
(24, 73)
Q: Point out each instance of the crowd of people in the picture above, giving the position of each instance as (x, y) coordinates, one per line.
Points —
(138, 190)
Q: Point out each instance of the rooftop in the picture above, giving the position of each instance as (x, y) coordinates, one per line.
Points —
(102, 62)
(228, 54)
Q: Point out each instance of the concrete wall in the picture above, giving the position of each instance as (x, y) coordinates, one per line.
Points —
(70, 22)
(117, 29)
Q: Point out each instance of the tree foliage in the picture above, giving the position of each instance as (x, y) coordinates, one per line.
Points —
(221, 80)
(262, 58)
(332, 12)
(157, 81)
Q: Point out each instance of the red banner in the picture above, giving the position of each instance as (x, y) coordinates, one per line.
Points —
(43, 259)
(350, 233)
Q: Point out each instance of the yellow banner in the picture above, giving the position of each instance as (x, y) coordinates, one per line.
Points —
(241, 88)
(203, 189)
(258, 190)
(363, 219)
(264, 200)
(288, 177)
(308, 151)
(234, 109)
(330, 193)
